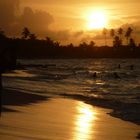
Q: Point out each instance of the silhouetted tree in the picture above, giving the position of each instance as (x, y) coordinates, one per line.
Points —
(32, 37)
(49, 42)
(105, 34)
(117, 42)
(112, 33)
(132, 43)
(2, 34)
(120, 33)
(25, 33)
(56, 44)
(92, 44)
(70, 45)
(128, 33)
(83, 45)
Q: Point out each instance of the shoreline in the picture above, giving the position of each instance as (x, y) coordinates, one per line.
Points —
(126, 112)
(75, 120)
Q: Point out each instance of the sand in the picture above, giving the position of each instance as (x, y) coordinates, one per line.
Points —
(34, 117)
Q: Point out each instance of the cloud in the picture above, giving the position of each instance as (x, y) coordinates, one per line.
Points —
(65, 36)
(36, 20)
(8, 10)
(78, 34)
(12, 22)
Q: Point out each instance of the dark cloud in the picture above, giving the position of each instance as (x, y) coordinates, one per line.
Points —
(8, 9)
(36, 20)
(62, 35)
(78, 34)
(12, 20)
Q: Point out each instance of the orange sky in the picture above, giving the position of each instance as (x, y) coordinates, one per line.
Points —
(70, 12)
(66, 20)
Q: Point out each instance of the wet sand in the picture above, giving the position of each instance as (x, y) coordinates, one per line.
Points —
(62, 119)
(18, 98)
(125, 111)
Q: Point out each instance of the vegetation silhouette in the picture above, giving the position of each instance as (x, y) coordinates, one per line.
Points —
(25, 33)
(105, 33)
(120, 33)
(128, 33)
(28, 46)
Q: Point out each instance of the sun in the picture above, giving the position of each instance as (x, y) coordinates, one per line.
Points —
(96, 20)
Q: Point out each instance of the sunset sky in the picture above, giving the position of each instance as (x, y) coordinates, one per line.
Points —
(69, 21)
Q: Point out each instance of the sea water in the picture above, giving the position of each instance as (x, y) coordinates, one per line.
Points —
(113, 79)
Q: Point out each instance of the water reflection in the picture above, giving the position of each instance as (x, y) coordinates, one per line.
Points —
(19, 73)
(84, 122)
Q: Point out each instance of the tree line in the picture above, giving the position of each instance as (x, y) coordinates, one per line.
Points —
(118, 36)
(29, 46)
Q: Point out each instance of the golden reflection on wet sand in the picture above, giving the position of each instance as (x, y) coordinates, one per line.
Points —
(64, 119)
(84, 121)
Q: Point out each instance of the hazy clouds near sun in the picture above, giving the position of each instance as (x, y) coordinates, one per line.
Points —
(13, 19)
(35, 19)
(7, 12)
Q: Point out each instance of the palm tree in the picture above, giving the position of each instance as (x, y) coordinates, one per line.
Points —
(83, 44)
(49, 42)
(70, 45)
(105, 33)
(57, 44)
(132, 43)
(32, 37)
(112, 33)
(128, 33)
(25, 33)
(120, 32)
(117, 42)
(92, 44)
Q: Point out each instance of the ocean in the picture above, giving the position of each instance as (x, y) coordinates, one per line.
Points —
(113, 79)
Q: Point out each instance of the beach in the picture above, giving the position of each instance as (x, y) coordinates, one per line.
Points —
(42, 118)
(53, 90)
